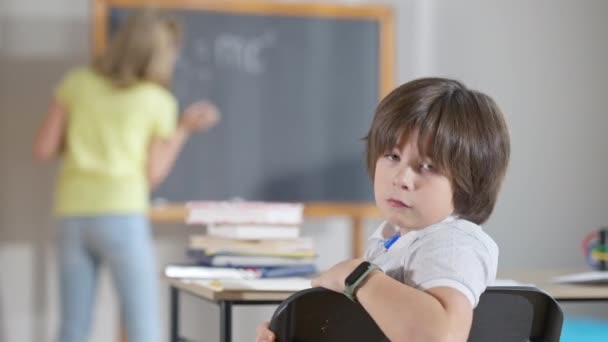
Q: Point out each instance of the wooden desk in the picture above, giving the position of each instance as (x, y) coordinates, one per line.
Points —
(357, 212)
(224, 299)
(561, 292)
(227, 299)
(178, 212)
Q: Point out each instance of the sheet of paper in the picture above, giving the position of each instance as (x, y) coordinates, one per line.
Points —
(510, 282)
(203, 272)
(269, 284)
(595, 277)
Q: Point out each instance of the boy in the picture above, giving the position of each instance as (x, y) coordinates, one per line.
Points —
(437, 152)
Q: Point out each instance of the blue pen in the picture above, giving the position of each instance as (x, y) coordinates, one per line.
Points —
(388, 243)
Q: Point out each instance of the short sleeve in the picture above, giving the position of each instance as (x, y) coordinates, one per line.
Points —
(456, 259)
(66, 90)
(165, 107)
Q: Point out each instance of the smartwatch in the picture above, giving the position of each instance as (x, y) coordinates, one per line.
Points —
(357, 276)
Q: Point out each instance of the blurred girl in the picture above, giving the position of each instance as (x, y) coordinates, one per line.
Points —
(114, 126)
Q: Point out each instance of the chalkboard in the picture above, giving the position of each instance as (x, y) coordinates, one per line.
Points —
(296, 85)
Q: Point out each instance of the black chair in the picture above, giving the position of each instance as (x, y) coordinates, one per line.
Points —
(516, 314)
(504, 314)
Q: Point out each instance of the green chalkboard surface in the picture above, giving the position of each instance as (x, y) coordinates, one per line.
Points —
(296, 89)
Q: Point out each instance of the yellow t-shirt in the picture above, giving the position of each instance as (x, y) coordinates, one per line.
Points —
(108, 133)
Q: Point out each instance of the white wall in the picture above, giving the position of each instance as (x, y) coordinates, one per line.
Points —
(543, 61)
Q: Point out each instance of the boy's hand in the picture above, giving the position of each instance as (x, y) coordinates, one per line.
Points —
(333, 279)
(199, 116)
(264, 334)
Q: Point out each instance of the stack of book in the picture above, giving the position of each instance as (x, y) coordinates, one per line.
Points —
(246, 240)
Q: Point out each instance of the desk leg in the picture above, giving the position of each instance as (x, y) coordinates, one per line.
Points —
(174, 327)
(225, 321)
(358, 238)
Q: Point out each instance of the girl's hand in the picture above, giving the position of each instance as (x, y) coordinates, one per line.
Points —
(333, 279)
(264, 334)
(199, 116)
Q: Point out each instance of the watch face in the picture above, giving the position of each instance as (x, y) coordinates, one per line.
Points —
(357, 273)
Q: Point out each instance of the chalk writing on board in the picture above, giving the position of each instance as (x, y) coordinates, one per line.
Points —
(243, 53)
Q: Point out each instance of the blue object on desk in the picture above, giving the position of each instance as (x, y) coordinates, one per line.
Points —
(289, 271)
(588, 329)
(388, 243)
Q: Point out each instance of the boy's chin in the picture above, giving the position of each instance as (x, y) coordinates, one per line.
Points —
(404, 225)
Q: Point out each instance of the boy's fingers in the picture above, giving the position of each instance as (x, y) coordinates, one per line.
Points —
(264, 333)
(262, 327)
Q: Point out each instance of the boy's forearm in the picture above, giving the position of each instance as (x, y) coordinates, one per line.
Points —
(402, 312)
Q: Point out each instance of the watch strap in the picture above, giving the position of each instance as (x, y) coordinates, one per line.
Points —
(350, 290)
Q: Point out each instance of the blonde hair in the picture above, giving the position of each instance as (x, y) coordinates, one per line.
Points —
(143, 49)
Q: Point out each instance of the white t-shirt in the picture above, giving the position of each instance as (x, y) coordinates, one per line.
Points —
(453, 253)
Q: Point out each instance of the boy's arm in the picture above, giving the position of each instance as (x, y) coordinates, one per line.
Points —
(407, 314)
(402, 312)
(51, 134)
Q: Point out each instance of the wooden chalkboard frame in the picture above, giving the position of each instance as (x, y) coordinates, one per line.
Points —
(382, 14)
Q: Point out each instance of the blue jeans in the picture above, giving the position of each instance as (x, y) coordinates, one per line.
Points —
(124, 243)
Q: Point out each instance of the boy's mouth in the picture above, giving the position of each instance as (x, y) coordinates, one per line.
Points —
(395, 203)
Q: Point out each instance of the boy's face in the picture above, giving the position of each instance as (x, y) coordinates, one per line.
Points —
(409, 192)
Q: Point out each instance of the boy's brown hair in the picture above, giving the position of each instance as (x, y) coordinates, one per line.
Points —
(142, 49)
(461, 130)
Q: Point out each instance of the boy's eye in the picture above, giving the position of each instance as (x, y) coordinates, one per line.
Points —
(427, 167)
(391, 156)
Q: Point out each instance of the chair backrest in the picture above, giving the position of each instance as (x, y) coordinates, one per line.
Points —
(503, 314)
(516, 313)
(321, 315)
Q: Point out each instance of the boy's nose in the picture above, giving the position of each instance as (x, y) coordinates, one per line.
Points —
(404, 178)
